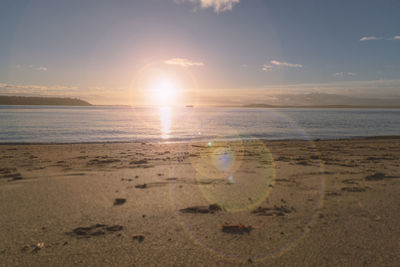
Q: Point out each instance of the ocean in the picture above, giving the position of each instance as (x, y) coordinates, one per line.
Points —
(61, 124)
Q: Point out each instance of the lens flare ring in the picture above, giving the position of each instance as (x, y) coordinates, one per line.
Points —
(222, 164)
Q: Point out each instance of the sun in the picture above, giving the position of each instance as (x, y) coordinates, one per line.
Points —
(164, 91)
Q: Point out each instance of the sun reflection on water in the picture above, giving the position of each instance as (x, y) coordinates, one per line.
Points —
(165, 120)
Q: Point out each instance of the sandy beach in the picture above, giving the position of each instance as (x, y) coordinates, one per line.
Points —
(261, 203)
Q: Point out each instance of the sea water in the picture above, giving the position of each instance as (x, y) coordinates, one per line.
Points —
(60, 124)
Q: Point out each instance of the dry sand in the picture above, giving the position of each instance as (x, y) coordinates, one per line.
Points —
(273, 203)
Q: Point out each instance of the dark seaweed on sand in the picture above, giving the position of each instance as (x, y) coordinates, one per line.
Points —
(202, 209)
(237, 228)
(94, 230)
(119, 201)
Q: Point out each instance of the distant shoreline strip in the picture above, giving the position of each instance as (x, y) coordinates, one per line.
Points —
(383, 137)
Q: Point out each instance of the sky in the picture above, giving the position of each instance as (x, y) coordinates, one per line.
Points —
(199, 51)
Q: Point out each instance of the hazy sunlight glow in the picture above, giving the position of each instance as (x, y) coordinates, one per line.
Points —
(164, 92)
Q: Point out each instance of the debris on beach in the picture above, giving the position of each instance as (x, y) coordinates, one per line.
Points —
(7, 170)
(139, 238)
(114, 228)
(349, 181)
(332, 193)
(142, 161)
(94, 230)
(10, 173)
(211, 181)
(275, 211)
(119, 201)
(376, 177)
(141, 186)
(303, 162)
(35, 249)
(38, 247)
(353, 189)
(102, 161)
(237, 228)
(212, 208)
(14, 176)
(25, 248)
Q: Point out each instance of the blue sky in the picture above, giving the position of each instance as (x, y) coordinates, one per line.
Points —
(224, 48)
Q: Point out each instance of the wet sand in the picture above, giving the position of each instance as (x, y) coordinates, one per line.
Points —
(267, 203)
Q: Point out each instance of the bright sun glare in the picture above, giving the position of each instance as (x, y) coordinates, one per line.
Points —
(164, 91)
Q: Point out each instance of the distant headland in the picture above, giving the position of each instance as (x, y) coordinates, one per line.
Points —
(322, 106)
(45, 101)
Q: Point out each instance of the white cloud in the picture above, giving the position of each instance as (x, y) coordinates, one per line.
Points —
(396, 37)
(218, 5)
(345, 73)
(32, 67)
(285, 64)
(279, 64)
(183, 62)
(266, 67)
(370, 38)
